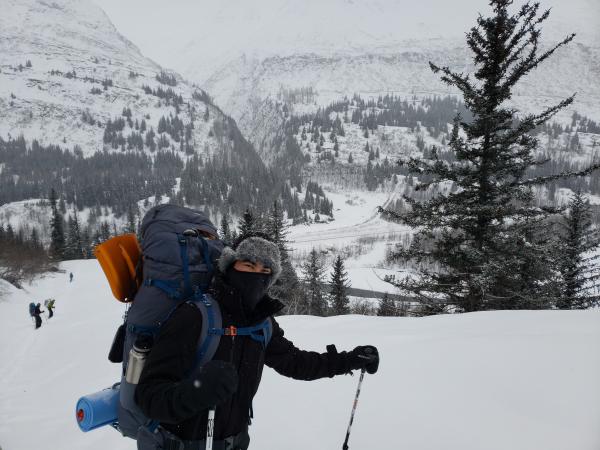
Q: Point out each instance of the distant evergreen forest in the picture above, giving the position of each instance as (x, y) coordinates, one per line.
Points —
(433, 115)
(232, 180)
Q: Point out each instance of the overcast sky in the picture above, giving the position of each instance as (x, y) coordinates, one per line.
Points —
(161, 28)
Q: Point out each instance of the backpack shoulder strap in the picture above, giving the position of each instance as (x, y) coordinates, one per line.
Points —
(211, 321)
(261, 332)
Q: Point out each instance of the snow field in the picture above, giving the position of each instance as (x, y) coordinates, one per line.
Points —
(517, 380)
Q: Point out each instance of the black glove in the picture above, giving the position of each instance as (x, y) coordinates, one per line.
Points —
(214, 383)
(364, 357)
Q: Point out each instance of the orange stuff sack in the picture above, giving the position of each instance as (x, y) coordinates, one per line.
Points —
(119, 257)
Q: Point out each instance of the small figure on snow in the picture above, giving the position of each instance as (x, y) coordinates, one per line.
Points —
(50, 307)
(37, 314)
(70, 277)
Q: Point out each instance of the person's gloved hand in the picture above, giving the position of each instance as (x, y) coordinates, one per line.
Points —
(214, 383)
(365, 356)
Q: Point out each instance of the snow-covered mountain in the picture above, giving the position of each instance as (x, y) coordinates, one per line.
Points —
(65, 72)
(245, 53)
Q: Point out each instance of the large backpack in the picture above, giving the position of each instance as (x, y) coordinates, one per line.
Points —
(179, 252)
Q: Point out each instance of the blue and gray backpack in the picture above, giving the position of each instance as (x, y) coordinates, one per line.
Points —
(180, 249)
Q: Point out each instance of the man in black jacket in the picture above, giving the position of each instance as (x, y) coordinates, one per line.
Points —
(180, 402)
(37, 314)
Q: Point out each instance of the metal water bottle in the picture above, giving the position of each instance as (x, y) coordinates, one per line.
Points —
(137, 359)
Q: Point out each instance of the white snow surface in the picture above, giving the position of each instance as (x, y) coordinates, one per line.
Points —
(518, 380)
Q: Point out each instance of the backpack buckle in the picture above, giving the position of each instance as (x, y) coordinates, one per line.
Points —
(230, 331)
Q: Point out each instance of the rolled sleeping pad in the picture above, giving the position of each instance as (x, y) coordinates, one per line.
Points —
(98, 409)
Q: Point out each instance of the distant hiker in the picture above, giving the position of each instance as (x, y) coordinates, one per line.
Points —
(70, 277)
(50, 306)
(37, 314)
(31, 309)
(169, 394)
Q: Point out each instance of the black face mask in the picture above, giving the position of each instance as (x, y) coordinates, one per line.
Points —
(251, 285)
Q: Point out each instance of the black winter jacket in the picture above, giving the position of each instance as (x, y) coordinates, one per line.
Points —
(163, 392)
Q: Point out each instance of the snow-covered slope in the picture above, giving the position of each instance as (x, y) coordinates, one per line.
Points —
(244, 53)
(498, 380)
(65, 71)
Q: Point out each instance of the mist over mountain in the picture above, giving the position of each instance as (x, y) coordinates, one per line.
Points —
(245, 53)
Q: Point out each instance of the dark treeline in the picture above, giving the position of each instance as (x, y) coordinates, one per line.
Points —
(22, 254)
(231, 180)
(103, 179)
(435, 113)
(169, 95)
(235, 178)
(128, 134)
(582, 124)
(166, 78)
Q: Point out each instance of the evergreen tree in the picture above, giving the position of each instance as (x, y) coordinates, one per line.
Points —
(57, 234)
(276, 228)
(339, 288)
(131, 220)
(224, 230)
(74, 248)
(314, 273)
(34, 239)
(103, 232)
(86, 243)
(287, 287)
(579, 266)
(477, 234)
(246, 224)
(387, 306)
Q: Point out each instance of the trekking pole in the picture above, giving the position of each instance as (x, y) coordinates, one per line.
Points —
(360, 380)
(210, 427)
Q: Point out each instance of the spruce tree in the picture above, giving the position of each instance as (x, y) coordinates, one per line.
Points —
(86, 244)
(34, 239)
(579, 264)
(314, 273)
(387, 306)
(75, 243)
(131, 220)
(470, 240)
(224, 230)
(276, 228)
(340, 303)
(246, 223)
(57, 234)
(288, 287)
